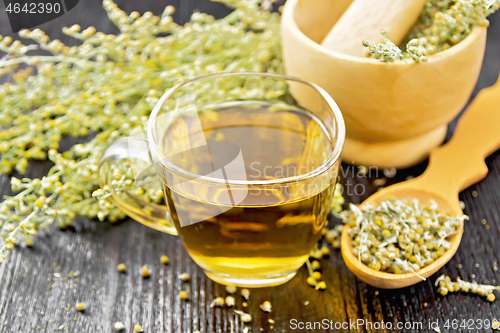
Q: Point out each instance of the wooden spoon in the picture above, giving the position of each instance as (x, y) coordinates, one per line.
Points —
(364, 19)
(452, 168)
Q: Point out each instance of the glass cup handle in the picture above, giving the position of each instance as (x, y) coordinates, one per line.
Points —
(150, 214)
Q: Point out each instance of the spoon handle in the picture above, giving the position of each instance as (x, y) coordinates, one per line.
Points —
(460, 163)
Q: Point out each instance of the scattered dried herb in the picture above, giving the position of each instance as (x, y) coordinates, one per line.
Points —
(164, 260)
(218, 301)
(245, 293)
(266, 306)
(245, 317)
(119, 326)
(105, 87)
(333, 236)
(230, 301)
(231, 289)
(183, 295)
(145, 272)
(400, 235)
(121, 268)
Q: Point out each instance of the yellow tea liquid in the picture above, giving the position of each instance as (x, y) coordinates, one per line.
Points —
(254, 234)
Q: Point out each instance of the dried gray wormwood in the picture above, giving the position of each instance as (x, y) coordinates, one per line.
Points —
(442, 24)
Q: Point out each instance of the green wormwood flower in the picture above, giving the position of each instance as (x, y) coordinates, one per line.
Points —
(389, 52)
(400, 235)
(105, 87)
(442, 24)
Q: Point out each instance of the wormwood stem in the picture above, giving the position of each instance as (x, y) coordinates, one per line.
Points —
(107, 86)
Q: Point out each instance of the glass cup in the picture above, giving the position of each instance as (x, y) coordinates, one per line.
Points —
(247, 164)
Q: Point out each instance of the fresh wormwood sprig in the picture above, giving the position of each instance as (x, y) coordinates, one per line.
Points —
(442, 24)
(105, 87)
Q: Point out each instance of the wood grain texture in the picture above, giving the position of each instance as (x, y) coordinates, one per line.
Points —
(94, 249)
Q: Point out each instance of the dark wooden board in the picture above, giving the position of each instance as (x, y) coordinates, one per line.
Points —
(31, 301)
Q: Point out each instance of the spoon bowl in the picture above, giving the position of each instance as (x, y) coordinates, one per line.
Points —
(389, 280)
(452, 168)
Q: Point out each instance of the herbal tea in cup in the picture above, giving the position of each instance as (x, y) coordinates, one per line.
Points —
(247, 169)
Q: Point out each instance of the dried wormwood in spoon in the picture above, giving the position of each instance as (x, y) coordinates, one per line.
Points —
(400, 235)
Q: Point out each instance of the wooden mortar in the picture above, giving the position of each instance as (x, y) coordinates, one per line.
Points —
(395, 113)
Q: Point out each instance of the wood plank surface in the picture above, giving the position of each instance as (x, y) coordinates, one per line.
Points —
(36, 294)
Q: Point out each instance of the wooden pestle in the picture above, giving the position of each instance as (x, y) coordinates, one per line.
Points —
(364, 19)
